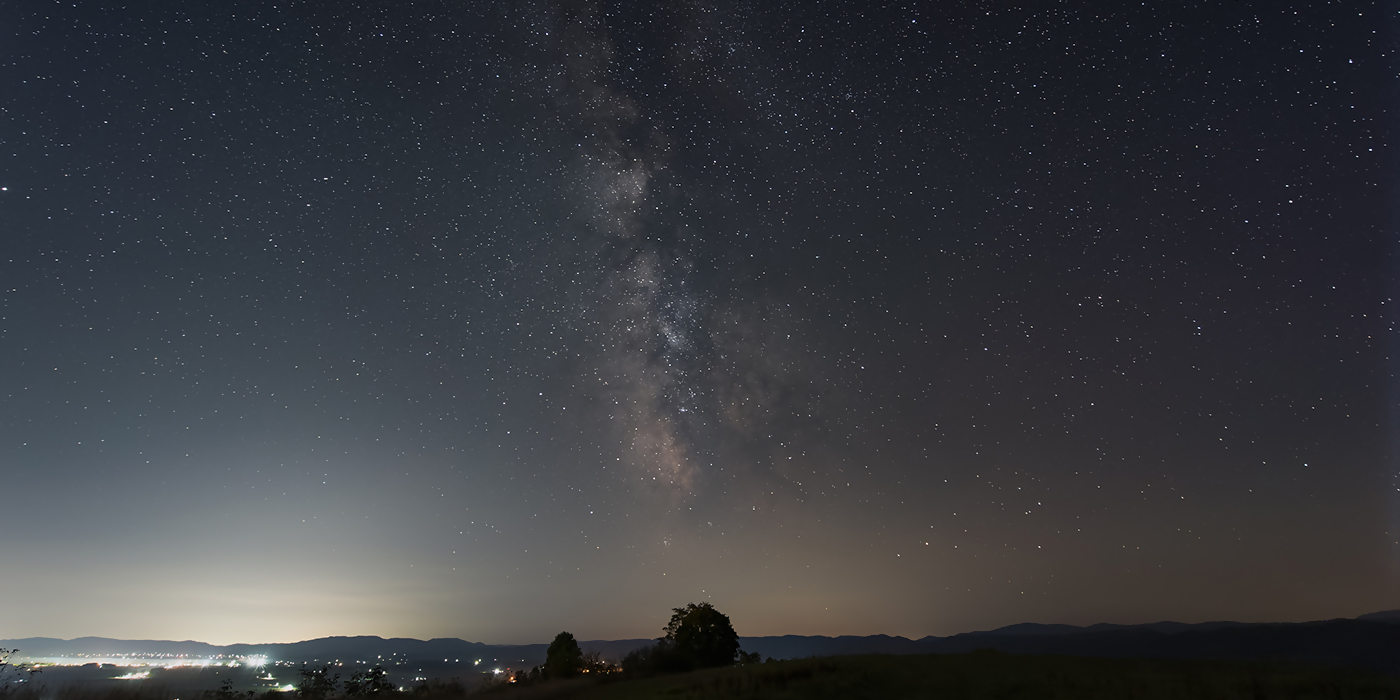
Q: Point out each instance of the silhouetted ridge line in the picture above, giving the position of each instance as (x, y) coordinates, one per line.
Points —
(1371, 641)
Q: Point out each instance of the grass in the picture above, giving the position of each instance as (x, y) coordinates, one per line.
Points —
(975, 676)
(982, 675)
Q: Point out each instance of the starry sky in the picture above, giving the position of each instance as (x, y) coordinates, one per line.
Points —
(488, 320)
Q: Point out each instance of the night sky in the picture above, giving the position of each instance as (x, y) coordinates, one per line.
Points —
(457, 319)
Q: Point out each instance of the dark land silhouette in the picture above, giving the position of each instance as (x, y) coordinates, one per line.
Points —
(1371, 641)
(1331, 658)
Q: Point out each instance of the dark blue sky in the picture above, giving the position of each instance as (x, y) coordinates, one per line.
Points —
(487, 321)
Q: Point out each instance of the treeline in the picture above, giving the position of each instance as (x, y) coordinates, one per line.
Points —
(697, 636)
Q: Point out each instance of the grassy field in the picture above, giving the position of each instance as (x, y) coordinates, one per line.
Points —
(975, 676)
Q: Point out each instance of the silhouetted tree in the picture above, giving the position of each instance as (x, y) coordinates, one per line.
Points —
(370, 682)
(698, 636)
(226, 692)
(13, 675)
(703, 635)
(593, 663)
(564, 658)
(317, 683)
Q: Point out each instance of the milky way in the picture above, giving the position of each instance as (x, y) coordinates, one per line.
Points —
(491, 320)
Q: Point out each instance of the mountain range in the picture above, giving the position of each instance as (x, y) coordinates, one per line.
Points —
(1370, 641)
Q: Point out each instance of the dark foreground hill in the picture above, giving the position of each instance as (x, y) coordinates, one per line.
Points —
(981, 675)
(971, 676)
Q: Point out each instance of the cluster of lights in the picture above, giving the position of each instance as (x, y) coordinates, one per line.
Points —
(144, 664)
(155, 661)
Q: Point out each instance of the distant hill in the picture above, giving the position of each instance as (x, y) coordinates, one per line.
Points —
(1365, 643)
(48, 646)
(365, 649)
(1032, 629)
(1374, 645)
(1387, 616)
(1371, 641)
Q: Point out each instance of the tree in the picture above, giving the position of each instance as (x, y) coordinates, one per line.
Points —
(226, 692)
(564, 658)
(371, 682)
(12, 675)
(703, 635)
(317, 683)
(593, 663)
(661, 657)
(698, 636)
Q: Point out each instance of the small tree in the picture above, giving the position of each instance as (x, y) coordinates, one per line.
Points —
(13, 675)
(226, 692)
(564, 658)
(593, 663)
(371, 682)
(317, 683)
